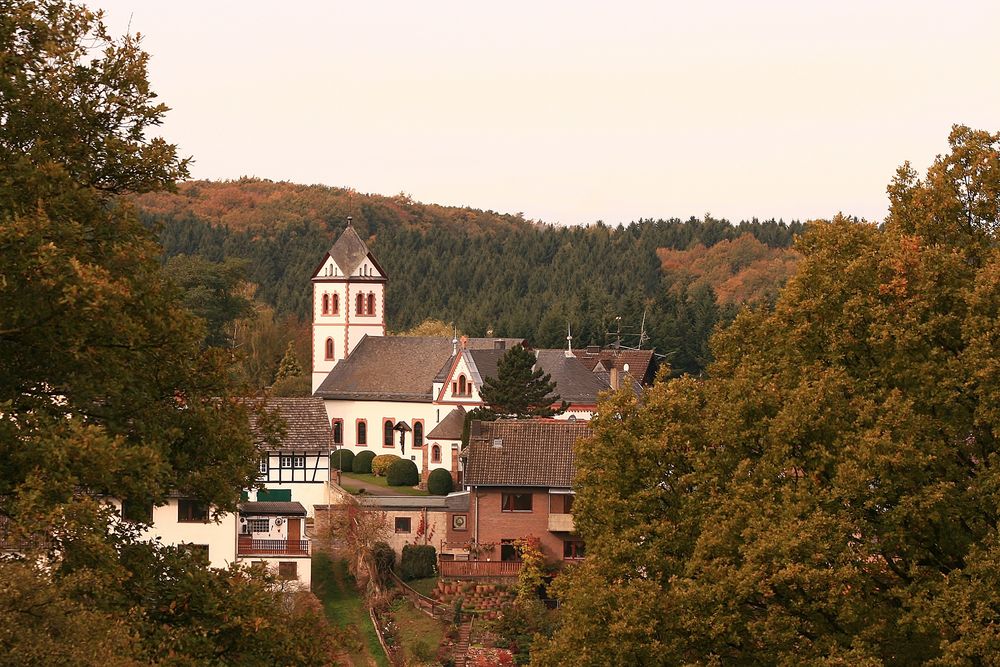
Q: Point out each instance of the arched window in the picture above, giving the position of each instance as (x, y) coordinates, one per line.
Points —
(338, 432)
(326, 304)
(461, 385)
(387, 433)
(362, 432)
(371, 303)
(329, 348)
(359, 304)
(336, 304)
(436, 454)
(418, 434)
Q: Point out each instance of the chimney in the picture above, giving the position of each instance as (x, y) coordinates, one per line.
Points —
(464, 341)
(614, 378)
(499, 344)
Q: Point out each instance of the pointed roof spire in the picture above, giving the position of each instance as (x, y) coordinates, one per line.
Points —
(569, 340)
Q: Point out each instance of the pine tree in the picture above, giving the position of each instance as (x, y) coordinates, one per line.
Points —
(520, 390)
(289, 366)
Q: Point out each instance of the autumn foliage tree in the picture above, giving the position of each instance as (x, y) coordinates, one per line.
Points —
(106, 387)
(829, 494)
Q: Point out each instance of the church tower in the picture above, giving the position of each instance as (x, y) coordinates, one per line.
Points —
(348, 302)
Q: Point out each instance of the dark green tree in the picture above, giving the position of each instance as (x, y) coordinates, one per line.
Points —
(520, 390)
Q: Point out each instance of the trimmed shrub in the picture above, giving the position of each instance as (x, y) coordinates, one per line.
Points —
(363, 462)
(342, 459)
(439, 482)
(385, 560)
(402, 473)
(418, 561)
(382, 462)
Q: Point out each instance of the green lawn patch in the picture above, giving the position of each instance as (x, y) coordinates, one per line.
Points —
(346, 477)
(419, 634)
(424, 586)
(335, 587)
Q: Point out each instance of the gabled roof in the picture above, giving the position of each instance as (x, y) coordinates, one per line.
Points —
(640, 362)
(388, 368)
(530, 452)
(308, 427)
(348, 252)
(450, 427)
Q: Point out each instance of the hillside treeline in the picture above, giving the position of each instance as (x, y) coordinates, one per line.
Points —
(485, 271)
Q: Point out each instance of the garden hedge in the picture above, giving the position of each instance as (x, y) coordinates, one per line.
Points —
(363, 462)
(382, 462)
(343, 459)
(418, 561)
(439, 482)
(402, 473)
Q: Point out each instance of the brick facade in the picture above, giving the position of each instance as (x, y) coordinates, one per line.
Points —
(496, 525)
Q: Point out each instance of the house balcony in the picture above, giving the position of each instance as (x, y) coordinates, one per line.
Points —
(247, 546)
(561, 523)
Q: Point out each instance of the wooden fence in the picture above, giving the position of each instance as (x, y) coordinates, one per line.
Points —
(473, 569)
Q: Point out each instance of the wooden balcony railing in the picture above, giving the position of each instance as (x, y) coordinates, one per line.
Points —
(471, 569)
(247, 546)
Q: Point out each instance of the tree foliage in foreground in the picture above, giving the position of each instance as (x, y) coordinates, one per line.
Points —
(106, 387)
(829, 494)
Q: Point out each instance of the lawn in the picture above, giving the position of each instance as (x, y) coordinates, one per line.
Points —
(419, 634)
(346, 477)
(334, 586)
(424, 586)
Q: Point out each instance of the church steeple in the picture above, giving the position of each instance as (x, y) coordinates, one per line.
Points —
(348, 301)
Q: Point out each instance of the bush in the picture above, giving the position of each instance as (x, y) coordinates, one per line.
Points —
(402, 473)
(342, 459)
(439, 482)
(418, 561)
(385, 561)
(382, 462)
(363, 463)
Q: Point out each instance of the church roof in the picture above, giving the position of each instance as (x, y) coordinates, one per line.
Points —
(529, 452)
(308, 427)
(450, 427)
(349, 251)
(388, 368)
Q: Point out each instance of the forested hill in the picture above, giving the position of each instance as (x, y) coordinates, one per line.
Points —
(484, 270)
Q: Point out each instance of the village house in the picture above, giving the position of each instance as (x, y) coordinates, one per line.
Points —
(519, 474)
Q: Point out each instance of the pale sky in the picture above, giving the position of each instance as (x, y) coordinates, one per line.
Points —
(571, 112)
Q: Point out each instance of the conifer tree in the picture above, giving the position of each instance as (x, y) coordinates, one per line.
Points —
(289, 366)
(520, 390)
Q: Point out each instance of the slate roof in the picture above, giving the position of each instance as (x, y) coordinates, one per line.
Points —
(532, 452)
(574, 383)
(308, 427)
(640, 362)
(450, 427)
(272, 508)
(349, 251)
(388, 368)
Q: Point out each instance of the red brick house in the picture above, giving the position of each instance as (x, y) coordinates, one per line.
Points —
(519, 474)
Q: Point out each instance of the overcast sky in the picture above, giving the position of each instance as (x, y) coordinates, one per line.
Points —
(571, 112)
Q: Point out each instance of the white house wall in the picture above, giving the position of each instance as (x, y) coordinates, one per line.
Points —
(375, 412)
(220, 537)
(303, 569)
